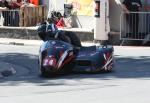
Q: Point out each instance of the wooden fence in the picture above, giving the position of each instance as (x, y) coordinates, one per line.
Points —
(31, 16)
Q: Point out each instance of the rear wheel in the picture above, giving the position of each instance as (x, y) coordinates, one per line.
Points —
(109, 67)
(109, 62)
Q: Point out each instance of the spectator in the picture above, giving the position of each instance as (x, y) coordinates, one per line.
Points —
(146, 4)
(2, 5)
(11, 13)
(3, 8)
(11, 18)
(14, 15)
(132, 18)
(26, 3)
(35, 2)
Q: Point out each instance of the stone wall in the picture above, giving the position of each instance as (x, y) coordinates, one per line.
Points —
(28, 33)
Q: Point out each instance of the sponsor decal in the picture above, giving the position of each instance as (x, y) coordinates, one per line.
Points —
(49, 61)
(108, 61)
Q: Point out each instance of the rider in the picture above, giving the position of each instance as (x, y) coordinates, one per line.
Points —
(48, 30)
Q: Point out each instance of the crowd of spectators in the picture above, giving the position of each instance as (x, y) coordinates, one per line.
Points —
(9, 11)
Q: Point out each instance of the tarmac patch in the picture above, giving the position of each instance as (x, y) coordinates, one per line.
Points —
(6, 69)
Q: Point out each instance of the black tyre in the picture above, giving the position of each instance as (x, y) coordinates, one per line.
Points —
(109, 67)
(42, 71)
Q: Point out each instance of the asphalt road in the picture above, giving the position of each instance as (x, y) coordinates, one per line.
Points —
(128, 83)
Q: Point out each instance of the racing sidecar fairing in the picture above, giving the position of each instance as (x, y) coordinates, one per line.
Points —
(57, 57)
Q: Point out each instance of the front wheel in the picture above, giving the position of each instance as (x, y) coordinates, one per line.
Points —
(42, 71)
(109, 68)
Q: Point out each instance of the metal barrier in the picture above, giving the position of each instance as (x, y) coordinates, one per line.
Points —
(135, 26)
(31, 16)
(24, 17)
(10, 17)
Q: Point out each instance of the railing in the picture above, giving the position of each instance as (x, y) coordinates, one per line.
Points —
(135, 26)
(24, 17)
(10, 18)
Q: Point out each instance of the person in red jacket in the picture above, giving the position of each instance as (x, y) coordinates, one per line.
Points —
(15, 4)
(35, 2)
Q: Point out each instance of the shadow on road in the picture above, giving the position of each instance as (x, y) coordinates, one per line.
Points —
(125, 67)
(25, 60)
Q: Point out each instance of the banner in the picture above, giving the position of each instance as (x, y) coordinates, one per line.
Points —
(83, 7)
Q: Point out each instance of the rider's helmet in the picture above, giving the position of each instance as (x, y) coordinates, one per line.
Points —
(47, 30)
